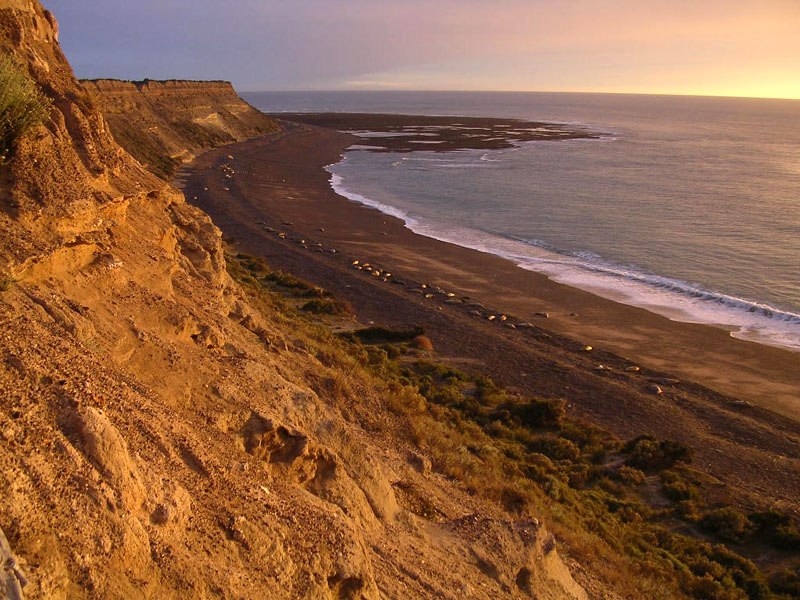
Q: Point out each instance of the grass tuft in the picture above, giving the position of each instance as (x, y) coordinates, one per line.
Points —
(23, 106)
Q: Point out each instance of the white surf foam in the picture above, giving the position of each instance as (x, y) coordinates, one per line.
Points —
(674, 299)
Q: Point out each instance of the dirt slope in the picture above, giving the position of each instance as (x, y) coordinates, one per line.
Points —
(161, 436)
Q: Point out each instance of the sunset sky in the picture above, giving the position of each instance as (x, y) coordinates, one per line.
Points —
(709, 47)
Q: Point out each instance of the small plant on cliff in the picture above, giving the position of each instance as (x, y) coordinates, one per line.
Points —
(23, 106)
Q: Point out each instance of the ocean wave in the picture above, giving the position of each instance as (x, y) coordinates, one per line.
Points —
(463, 166)
(379, 134)
(433, 162)
(672, 298)
(595, 263)
(337, 183)
(419, 157)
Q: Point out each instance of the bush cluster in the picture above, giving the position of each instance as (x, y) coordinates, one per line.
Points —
(628, 507)
(23, 106)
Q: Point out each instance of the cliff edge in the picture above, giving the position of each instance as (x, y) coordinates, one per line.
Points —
(164, 124)
(164, 433)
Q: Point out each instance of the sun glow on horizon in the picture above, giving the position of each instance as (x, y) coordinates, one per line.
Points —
(747, 48)
(776, 92)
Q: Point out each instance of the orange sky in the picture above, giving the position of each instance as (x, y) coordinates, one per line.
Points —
(707, 47)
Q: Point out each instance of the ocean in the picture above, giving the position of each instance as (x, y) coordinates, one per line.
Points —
(686, 206)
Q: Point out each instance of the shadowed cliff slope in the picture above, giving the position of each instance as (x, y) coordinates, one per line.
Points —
(166, 434)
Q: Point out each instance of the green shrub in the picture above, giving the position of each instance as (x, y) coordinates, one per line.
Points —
(537, 413)
(287, 280)
(727, 523)
(382, 335)
(555, 448)
(777, 529)
(629, 476)
(786, 582)
(592, 440)
(327, 306)
(687, 510)
(648, 454)
(23, 106)
(676, 488)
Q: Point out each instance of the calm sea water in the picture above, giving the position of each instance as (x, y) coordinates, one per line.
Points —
(687, 206)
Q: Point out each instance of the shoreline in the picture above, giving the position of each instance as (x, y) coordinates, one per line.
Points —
(624, 329)
(755, 319)
(633, 292)
(736, 402)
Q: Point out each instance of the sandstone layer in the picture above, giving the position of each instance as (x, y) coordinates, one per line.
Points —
(164, 124)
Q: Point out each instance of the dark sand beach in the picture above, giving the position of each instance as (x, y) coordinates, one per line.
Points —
(736, 403)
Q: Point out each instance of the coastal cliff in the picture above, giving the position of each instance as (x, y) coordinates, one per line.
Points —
(164, 124)
(167, 433)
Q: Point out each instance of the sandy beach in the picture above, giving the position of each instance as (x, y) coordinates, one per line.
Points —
(735, 402)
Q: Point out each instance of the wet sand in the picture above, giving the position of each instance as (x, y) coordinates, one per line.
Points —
(737, 403)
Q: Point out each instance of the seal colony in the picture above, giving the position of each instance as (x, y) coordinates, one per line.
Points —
(280, 196)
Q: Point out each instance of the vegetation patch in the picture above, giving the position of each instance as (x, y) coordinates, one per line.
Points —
(382, 335)
(23, 106)
(638, 500)
(626, 507)
(327, 306)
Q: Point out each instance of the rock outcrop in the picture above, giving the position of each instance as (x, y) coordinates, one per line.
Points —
(164, 124)
(163, 436)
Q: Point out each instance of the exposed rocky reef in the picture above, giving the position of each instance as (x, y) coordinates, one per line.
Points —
(409, 133)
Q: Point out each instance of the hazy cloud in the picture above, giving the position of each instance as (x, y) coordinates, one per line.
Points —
(509, 44)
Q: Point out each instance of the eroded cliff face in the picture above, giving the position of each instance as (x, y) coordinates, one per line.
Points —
(167, 123)
(162, 435)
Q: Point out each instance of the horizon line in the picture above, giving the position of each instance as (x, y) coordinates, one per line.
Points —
(483, 91)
